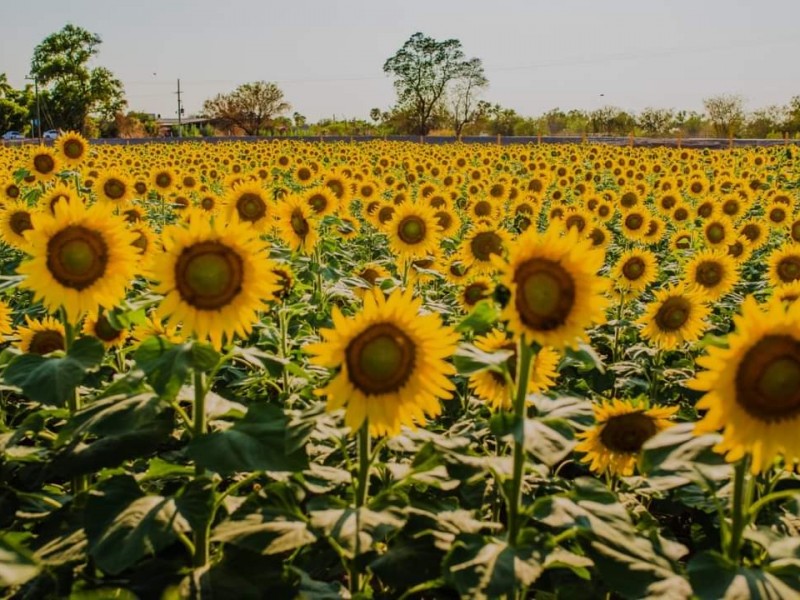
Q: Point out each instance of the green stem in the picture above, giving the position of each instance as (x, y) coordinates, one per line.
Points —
(769, 498)
(80, 483)
(283, 324)
(361, 485)
(739, 511)
(524, 360)
(201, 534)
(617, 327)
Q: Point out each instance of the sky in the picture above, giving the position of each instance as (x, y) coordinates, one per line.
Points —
(328, 55)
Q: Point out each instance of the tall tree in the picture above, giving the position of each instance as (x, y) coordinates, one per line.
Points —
(464, 104)
(78, 92)
(726, 113)
(422, 70)
(251, 106)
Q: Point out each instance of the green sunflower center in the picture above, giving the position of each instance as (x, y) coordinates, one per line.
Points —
(73, 149)
(251, 207)
(768, 379)
(318, 203)
(626, 434)
(673, 313)
(474, 293)
(209, 275)
(715, 233)
(114, 189)
(380, 360)
(77, 257)
(633, 268)
(411, 230)
(545, 294)
(789, 268)
(486, 243)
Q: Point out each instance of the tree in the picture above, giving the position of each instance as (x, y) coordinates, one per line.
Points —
(77, 92)
(464, 104)
(423, 69)
(656, 121)
(251, 106)
(726, 113)
(556, 121)
(765, 121)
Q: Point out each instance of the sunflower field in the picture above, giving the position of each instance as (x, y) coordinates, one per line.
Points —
(393, 370)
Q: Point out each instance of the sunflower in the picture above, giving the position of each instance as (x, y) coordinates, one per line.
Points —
(783, 265)
(284, 280)
(249, 203)
(448, 220)
(753, 386)
(5, 319)
(755, 232)
(476, 289)
(15, 219)
(321, 200)
(718, 232)
(72, 147)
(153, 326)
(163, 180)
(556, 293)
(491, 387)
(81, 258)
(480, 245)
(100, 327)
(296, 226)
(674, 317)
(391, 363)
(43, 163)
(621, 429)
(41, 336)
(740, 249)
(712, 273)
(634, 223)
(9, 190)
(635, 270)
(214, 278)
(788, 292)
(413, 231)
(114, 187)
(371, 274)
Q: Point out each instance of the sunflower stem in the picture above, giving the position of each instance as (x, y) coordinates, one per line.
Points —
(739, 509)
(283, 324)
(80, 483)
(361, 485)
(617, 327)
(524, 361)
(201, 534)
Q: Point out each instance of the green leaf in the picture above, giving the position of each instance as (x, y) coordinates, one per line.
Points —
(482, 318)
(549, 440)
(53, 380)
(256, 443)
(714, 576)
(196, 502)
(584, 358)
(125, 525)
(265, 533)
(167, 365)
(340, 524)
(469, 360)
(17, 564)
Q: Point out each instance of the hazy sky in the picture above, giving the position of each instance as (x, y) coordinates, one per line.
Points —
(328, 56)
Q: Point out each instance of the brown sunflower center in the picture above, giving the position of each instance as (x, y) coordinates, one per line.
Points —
(437, 202)
(730, 207)
(140, 243)
(629, 200)
(751, 231)
(304, 174)
(380, 359)
(708, 273)
(20, 222)
(47, 341)
(705, 210)
(318, 202)
(44, 163)
(627, 433)
(140, 187)
(680, 214)
(795, 231)
(777, 215)
(132, 215)
(789, 268)
(163, 180)
(634, 221)
(105, 331)
(696, 187)
(768, 379)
(209, 275)
(251, 207)
(511, 364)
(207, 203)
(369, 275)
(736, 249)
(444, 219)
(77, 257)
(411, 229)
(336, 187)
(576, 221)
(683, 242)
(668, 202)
(715, 233)
(385, 214)
(114, 189)
(73, 148)
(633, 268)
(673, 313)
(474, 293)
(12, 191)
(483, 208)
(486, 243)
(545, 294)
(299, 223)
(597, 236)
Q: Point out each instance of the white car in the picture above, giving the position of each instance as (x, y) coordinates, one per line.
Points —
(50, 134)
(13, 135)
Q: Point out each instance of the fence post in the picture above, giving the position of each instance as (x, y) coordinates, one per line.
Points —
(679, 140)
(583, 137)
(630, 139)
(539, 138)
(785, 138)
(498, 139)
(730, 141)
(422, 139)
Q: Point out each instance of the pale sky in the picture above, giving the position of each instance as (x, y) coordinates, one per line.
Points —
(328, 56)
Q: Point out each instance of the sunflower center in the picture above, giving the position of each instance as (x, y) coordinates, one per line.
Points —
(77, 257)
(385, 214)
(411, 230)
(114, 189)
(369, 275)
(736, 249)
(45, 342)
(709, 274)
(209, 275)
(475, 292)
(486, 243)
(680, 214)
(105, 331)
(628, 199)
(207, 203)
(789, 268)
(444, 219)
(163, 180)
(20, 222)
(140, 243)
(12, 191)
(318, 202)
(299, 224)
(73, 149)
(777, 215)
(768, 379)
(336, 187)
(730, 207)
(633, 268)
(634, 221)
(795, 231)
(627, 433)
(251, 207)
(597, 236)
(545, 294)
(673, 313)
(44, 163)
(576, 221)
(715, 233)
(483, 208)
(751, 231)
(380, 359)
(705, 210)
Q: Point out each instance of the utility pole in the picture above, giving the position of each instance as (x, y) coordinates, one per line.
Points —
(38, 107)
(180, 111)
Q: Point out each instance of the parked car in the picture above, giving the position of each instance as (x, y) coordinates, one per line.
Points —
(13, 135)
(50, 134)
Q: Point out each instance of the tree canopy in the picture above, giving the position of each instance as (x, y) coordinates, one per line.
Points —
(251, 106)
